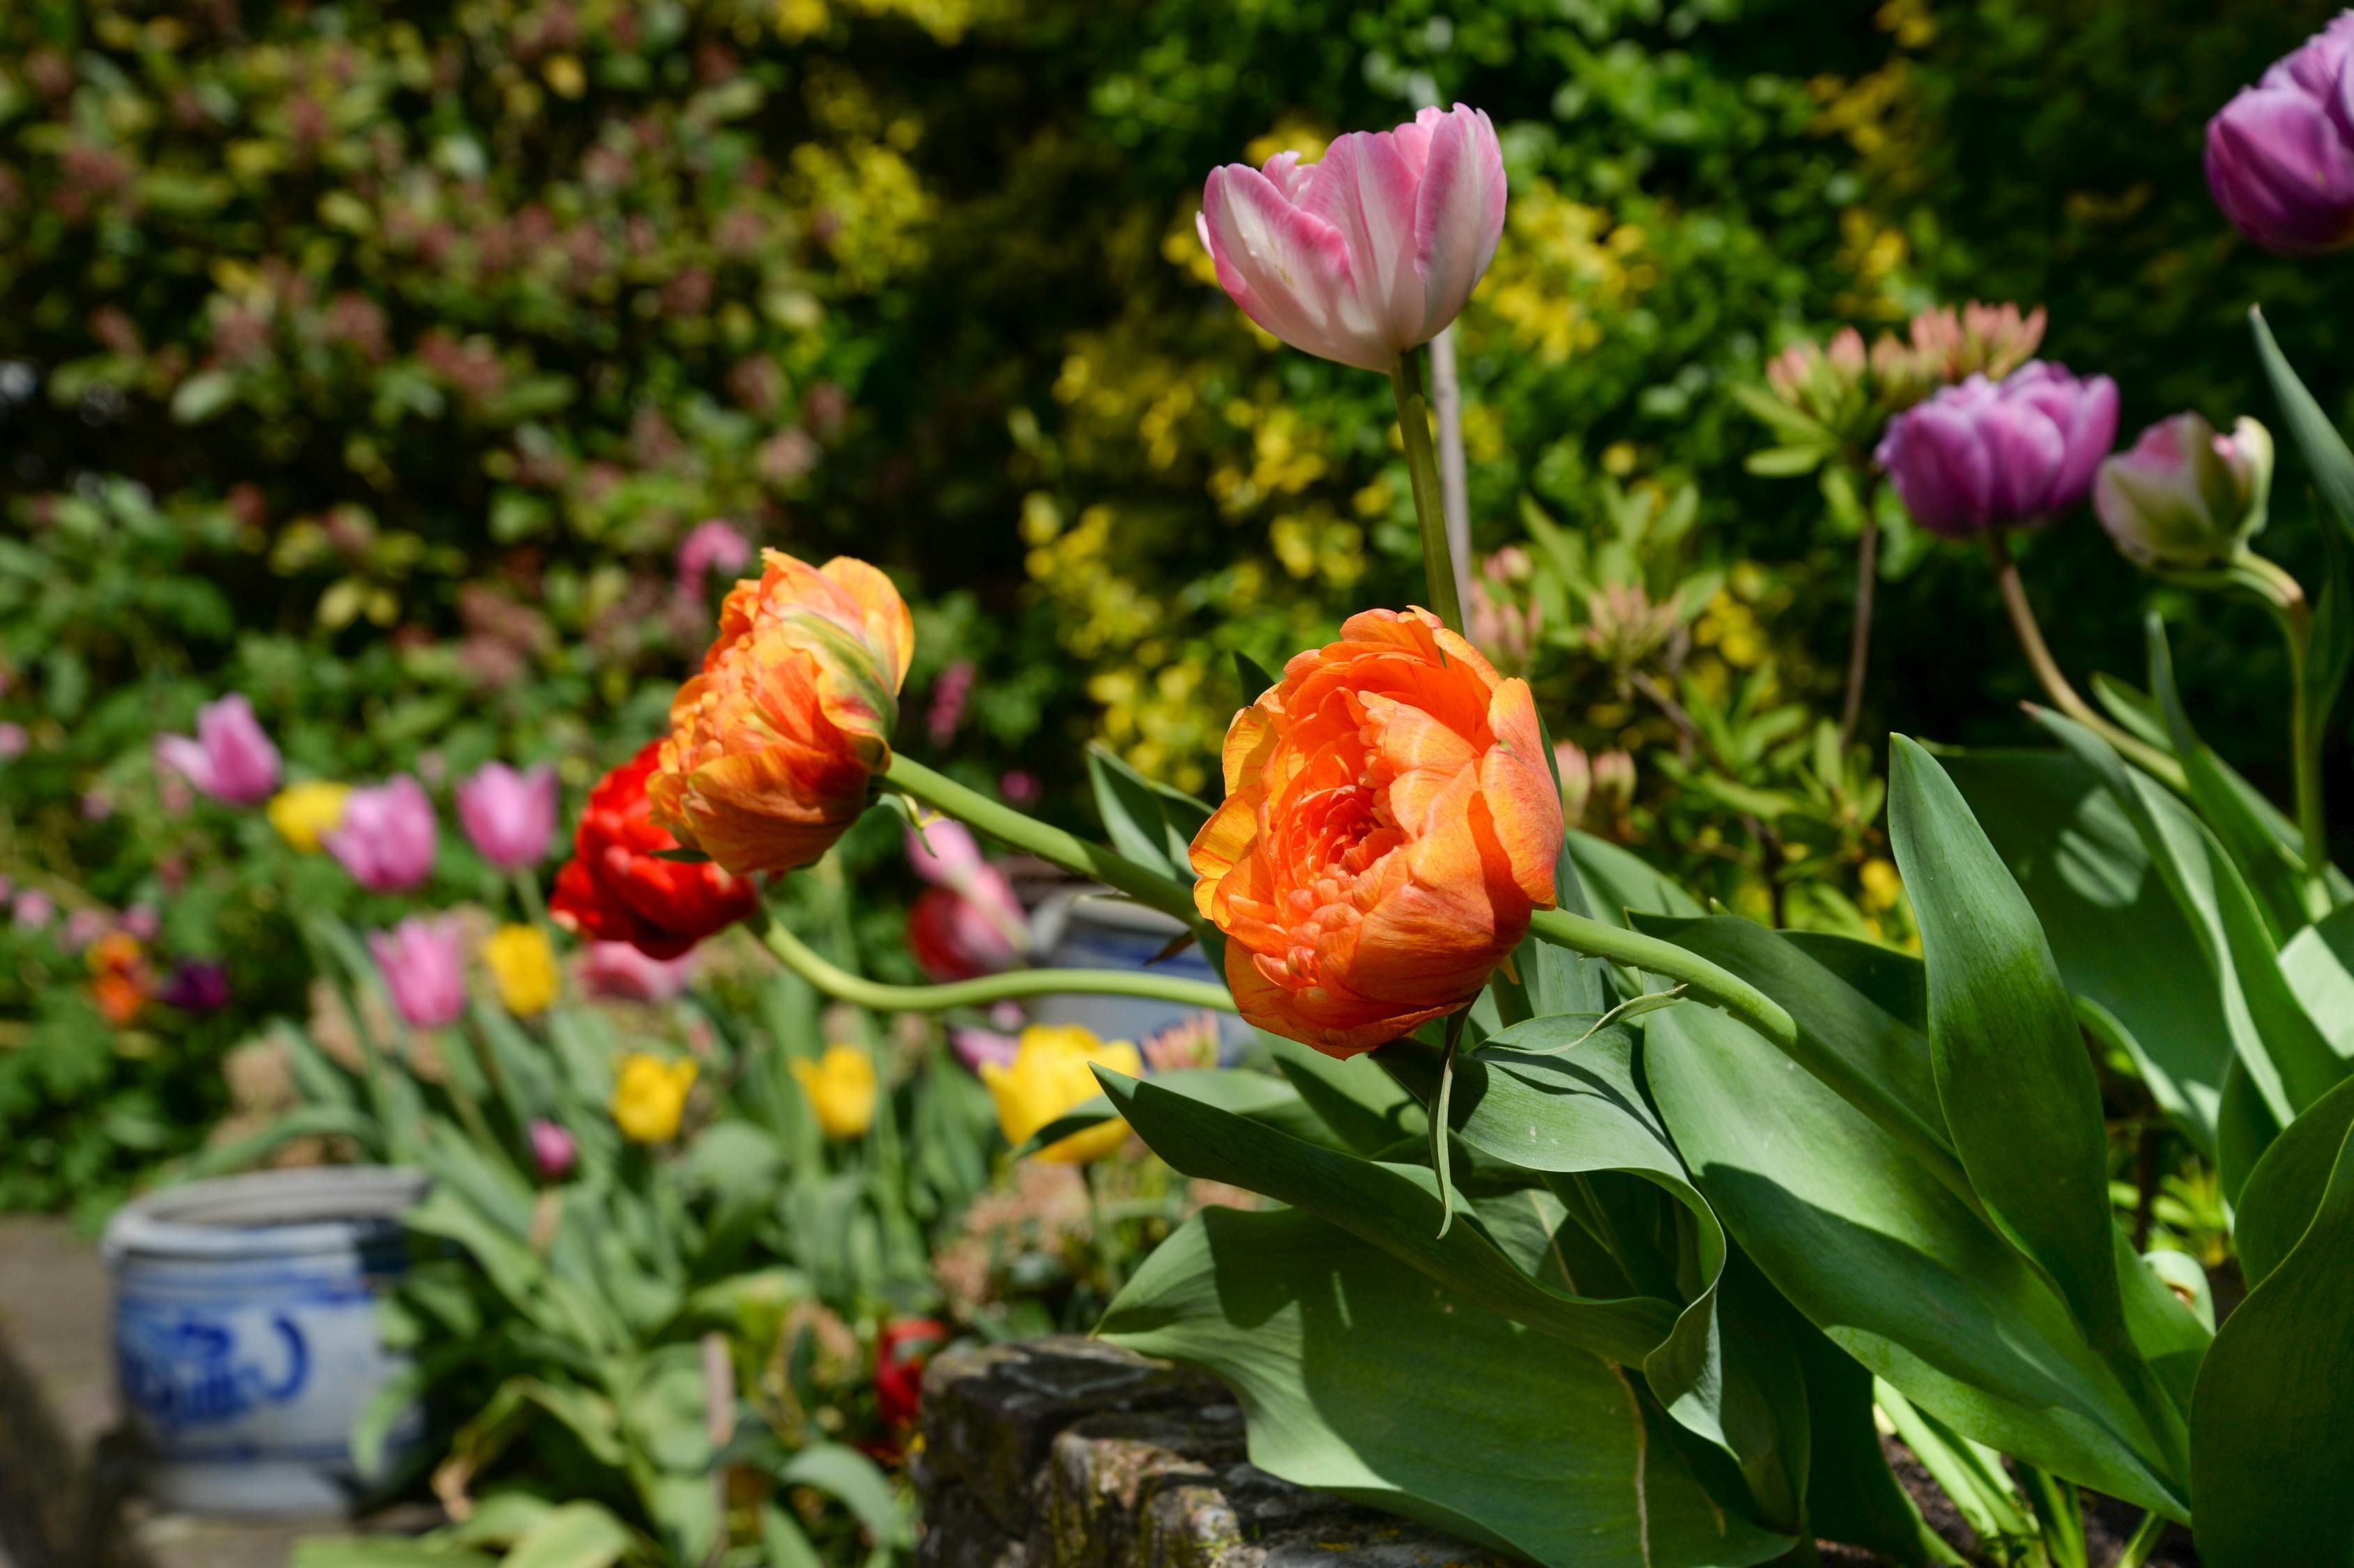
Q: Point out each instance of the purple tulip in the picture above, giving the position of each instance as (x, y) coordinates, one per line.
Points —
(2010, 454)
(2280, 155)
(229, 758)
(196, 986)
(553, 1149)
(509, 816)
(387, 837)
(424, 966)
(618, 971)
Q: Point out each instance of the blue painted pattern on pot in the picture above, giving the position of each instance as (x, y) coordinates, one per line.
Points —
(246, 1351)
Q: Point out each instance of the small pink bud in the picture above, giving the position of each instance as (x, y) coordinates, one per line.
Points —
(229, 758)
(553, 1149)
(509, 816)
(423, 961)
(387, 837)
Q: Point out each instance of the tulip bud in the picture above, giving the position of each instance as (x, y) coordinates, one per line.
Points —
(386, 836)
(1614, 784)
(553, 1149)
(229, 758)
(423, 962)
(842, 1088)
(509, 816)
(1051, 1073)
(1569, 760)
(2185, 498)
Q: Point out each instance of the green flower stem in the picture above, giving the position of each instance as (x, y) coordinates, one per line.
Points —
(2284, 597)
(1052, 844)
(1634, 950)
(527, 891)
(2064, 697)
(1429, 507)
(2141, 1542)
(840, 984)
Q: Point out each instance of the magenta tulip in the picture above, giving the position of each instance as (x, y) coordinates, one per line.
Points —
(2008, 454)
(509, 816)
(424, 966)
(553, 1149)
(386, 836)
(1369, 252)
(2280, 155)
(618, 971)
(229, 758)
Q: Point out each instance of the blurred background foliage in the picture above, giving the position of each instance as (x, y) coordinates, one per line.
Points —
(377, 359)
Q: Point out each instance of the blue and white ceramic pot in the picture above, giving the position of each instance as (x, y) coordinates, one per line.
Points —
(1086, 931)
(246, 1336)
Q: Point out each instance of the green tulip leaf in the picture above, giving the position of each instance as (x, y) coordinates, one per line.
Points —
(2284, 1190)
(2273, 1434)
(2317, 439)
(1896, 1268)
(1396, 1207)
(1894, 982)
(1379, 1385)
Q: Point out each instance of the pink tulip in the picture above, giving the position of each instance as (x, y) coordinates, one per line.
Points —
(33, 910)
(509, 816)
(229, 758)
(84, 926)
(618, 971)
(553, 1149)
(143, 922)
(968, 922)
(944, 852)
(387, 837)
(15, 740)
(1369, 252)
(712, 546)
(424, 966)
(975, 1047)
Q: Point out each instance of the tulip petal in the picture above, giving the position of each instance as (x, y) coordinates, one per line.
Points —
(1287, 269)
(1458, 215)
(1520, 793)
(1365, 190)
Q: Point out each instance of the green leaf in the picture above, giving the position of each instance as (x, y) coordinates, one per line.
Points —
(851, 1479)
(303, 1122)
(2023, 1106)
(2318, 964)
(2273, 1439)
(1365, 1107)
(2142, 976)
(1868, 1057)
(1896, 983)
(1368, 1380)
(1851, 1494)
(1258, 1097)
(574, 1535)
(2323, 449)
(2331, 651)
(1894, 1267)
(2272, 869)
(2276, 1044)
(1615, 880)
(1133, 818)
(2284, 1190)
(1784, 463)
(787, 1544)
(1255, 682)
(380, 1551)
(1393, 1207)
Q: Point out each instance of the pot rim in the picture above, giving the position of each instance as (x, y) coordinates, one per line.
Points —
(264, 1214)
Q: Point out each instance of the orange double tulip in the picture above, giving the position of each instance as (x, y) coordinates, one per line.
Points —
(773, 745)
(1389, 825)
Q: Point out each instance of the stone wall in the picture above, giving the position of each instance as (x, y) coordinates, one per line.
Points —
(1068, 1453)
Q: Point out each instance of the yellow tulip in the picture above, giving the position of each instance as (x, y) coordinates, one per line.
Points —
(523, 965)
(840, 1089)
(1049, 1076)
(305, 813)
(650, 1096)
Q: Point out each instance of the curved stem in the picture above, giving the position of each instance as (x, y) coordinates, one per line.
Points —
(1430, 505)
(1454, 481)
(1052, 844)
(1867, 583)
(2285, 595)
(2143, 755)
(1632, 949)
(859, 992)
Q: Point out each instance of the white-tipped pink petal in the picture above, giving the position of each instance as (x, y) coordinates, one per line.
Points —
(1287, 269)
(1460, 217)
(1366, 190)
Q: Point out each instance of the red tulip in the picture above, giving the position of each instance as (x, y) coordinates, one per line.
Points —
(616, 888)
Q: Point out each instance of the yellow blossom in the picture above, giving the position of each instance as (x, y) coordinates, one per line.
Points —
(523, 965)
(840, 1089)
(1882, 885)
(650, 1096)
(1049, 1076)
(305, 813)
